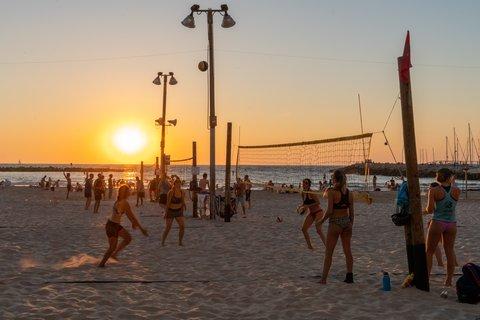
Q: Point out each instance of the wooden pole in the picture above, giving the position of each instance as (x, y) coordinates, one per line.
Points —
(141, 171)
(414, 234)
(228, 166)
(156, 166)
(466, 182)
(194, 178)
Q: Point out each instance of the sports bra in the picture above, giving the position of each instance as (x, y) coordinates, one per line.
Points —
(344, 202)
(116, 216)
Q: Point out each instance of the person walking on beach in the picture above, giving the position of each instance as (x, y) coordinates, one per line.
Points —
(374, 183)
(204, 185)
(69, 182)
(163, 188)
(442, 201)
(152, 189)
(240, 189)
(248, 190)
(88, 190)
(98, 192)
(340, 214)
(114, 229)
(140, 190)
(311, 202)
(110, 186)
(175, 207)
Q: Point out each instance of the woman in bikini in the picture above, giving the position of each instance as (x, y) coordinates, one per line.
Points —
(175, 207)
(114, 228)
(442, 201)
(340, 214)
(315, 212)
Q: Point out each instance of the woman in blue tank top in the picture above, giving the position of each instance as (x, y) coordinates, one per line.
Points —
(442, 201)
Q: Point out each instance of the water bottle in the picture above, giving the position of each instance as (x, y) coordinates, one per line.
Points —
(386, 286)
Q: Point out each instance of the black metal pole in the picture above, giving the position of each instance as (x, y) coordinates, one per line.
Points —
(213, 118)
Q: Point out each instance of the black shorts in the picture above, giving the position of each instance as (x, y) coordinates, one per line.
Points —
(162, 199)
(98, 194)
(112, 229)
(174, 213)
(141, 194)
(88, 193)
(69, 187)
(247, 195)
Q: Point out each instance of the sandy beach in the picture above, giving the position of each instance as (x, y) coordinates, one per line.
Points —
(253, 268)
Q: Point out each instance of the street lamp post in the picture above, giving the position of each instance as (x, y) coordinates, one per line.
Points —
(227, 22)
(162, 120)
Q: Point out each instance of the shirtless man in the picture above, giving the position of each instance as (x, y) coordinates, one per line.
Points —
(248, 190)
(240, 188)
(98, 192)
(202, 195)
(110, 186)
(69, 182)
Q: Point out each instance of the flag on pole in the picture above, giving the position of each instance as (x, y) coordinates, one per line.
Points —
(405, 63)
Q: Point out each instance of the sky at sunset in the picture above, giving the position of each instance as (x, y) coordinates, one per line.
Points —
(75, 72)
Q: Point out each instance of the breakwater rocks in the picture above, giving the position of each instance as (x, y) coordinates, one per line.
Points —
(424, 170)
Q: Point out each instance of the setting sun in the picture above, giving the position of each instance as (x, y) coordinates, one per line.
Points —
(129, 140)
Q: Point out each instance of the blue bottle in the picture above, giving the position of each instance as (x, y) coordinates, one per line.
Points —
(386, 286)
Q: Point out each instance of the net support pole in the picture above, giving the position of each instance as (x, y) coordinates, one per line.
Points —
(194, 179)
(156, 166)
(228, 166)
(141, 171)
(414, 234)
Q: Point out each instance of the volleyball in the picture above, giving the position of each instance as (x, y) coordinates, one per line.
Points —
(203, 66)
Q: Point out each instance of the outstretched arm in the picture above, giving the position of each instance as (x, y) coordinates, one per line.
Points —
(133, 219)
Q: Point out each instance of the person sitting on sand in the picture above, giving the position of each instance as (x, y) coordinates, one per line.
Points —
(175, 207)
(340, 214)
(140, 191)
(69, 182)
(97, 192)
(88, 190)
(78, 187)
(269, 186)
(114, 228)
(239, 189)
(311, 202)
(442, 202)
(42, 182)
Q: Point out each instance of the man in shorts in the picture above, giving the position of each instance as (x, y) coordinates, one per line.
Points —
(110, 186)
(248, 190)
(88, 190)
(98, 191)
(204, 187)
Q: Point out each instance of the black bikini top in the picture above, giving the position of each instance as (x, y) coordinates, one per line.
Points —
(344, 202)
(308, 200)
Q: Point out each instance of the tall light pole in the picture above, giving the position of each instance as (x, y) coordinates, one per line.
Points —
(227, 22)
(162, 120)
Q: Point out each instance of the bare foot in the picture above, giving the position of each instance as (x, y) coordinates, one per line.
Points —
(323, 281)
(310, 247)
(448, 283)
(163, 244)
(101, 265)
(180, 244)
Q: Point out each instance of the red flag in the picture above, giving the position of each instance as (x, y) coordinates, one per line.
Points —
(405, 62)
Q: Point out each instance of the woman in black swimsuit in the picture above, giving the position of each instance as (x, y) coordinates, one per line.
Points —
(175, 207)
(315, 212)
(340, 214)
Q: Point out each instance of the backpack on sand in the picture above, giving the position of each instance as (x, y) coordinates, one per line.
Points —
(468, 285)
(402, 214)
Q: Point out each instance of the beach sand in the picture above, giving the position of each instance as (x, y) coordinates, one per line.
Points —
(253, 268)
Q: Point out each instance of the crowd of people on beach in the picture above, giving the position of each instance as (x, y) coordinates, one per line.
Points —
(339, 211)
